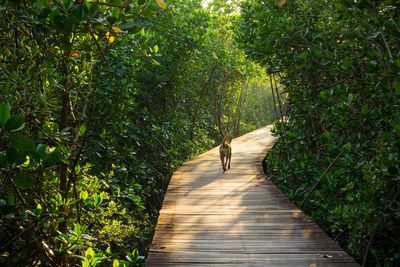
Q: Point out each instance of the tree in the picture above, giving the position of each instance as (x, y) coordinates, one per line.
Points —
(337, 155)
(100, 102)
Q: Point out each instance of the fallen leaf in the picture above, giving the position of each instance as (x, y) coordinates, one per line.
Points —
(323, 255)
(281, 3)
(313, 265)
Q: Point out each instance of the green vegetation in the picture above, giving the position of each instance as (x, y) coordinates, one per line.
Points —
(100, 102)
(338, 157)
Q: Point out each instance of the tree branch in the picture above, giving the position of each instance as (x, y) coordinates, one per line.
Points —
(320, 178)
(387, 47)
(364, 262)
(124, 5)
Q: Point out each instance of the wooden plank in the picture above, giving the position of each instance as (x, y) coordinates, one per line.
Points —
(236, 218)
(188, 237)
(262, 245)
(257, 218)
(224, 257)
(255, 264)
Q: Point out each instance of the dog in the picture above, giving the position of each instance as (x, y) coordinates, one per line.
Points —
(225, 152)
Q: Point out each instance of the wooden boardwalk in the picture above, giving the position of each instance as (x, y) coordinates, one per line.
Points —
(237, 218)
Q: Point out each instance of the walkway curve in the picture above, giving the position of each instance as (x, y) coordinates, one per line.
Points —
(236, 218)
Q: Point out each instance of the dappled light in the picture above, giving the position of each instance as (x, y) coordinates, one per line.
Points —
(199, 132)
(235, 213)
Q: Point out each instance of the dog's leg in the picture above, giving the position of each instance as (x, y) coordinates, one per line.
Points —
(229, 157)
(222, 162)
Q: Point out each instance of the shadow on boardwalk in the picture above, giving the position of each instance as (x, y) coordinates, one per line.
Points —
(237, 218)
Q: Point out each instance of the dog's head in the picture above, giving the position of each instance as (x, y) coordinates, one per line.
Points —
(226, 139)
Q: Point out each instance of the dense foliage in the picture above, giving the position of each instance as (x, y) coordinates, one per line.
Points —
(100, 101)
(338, 156)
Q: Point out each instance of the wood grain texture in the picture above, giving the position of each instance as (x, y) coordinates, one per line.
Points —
(236, 218)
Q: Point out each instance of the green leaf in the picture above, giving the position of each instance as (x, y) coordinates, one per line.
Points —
(156, 48)
(4, 114)
(141, 2)
(77, 228)
(397, 128)
(135, 253)
(111, 19)
(374, 35)
(84, 195)
(128, 257)
(11, 155)
(127, 25)
(24, 181)
(63, 149)
(365, 110)
(38, 210)
(10, 199)
(347, 146)
(82, 130)
(91, 8)
(131, 27)
(98, 200)
(397, 89)
(77, 168)
(115, 12)
(3, 159)
(303, 55)
(22, 142)
(89, 253)
(116, 263)
(54, 157)
(15, 157)
(58, 199)
(41, 150)
(15, 123)
(26, 162)
(85, 263)
(327, 135)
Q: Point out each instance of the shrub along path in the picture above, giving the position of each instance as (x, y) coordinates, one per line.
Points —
(238, 217)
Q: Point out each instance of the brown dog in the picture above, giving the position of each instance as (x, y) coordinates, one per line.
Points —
(225, 152)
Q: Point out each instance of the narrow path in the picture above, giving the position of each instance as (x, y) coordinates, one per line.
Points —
(237, 218)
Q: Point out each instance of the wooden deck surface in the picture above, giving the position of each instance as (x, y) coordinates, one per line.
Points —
(237, 218)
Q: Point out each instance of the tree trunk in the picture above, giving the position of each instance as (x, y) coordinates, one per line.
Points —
(242, 99)
(63, 168)
(278, 99)
(202, 93)
(273, 96)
